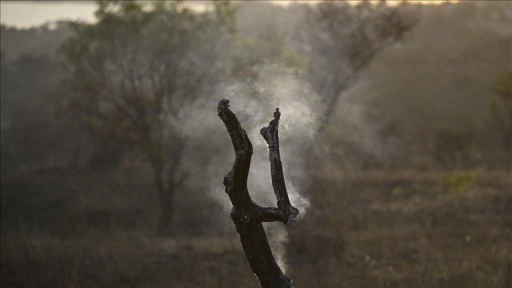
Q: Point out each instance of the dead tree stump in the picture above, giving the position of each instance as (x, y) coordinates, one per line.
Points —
(246, 214)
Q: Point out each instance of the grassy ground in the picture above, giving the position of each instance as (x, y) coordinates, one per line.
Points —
(364, 229)
(425, 229)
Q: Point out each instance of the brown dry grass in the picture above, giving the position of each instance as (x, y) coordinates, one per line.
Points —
(412, 229)
(364, 229)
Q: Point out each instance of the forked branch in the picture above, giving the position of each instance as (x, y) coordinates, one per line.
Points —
(246, 214)
(270, 134)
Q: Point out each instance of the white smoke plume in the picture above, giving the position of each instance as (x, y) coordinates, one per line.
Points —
(254, 102)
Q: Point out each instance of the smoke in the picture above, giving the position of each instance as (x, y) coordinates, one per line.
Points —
(254, 102)
(278, 238)
(360, 135)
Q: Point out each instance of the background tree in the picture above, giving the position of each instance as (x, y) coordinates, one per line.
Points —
(133, 71)
(343, 39)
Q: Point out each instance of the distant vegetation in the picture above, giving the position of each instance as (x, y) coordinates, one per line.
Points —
(432, 81)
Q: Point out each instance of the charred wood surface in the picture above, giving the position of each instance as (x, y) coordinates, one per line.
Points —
(246, 214)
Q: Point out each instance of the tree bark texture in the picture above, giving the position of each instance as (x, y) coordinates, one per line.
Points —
(246, 214)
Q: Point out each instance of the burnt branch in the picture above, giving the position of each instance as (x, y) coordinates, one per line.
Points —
(246, 214)
(270, 134)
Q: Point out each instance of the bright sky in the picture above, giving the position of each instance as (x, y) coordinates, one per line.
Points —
(34, 13)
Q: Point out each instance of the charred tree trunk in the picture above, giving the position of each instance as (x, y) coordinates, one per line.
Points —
(246, 214)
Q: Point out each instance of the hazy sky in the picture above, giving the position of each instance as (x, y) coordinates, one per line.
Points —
(30, 13)
(34, 13)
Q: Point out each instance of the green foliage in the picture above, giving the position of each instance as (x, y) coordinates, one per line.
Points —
(134, 71)
(135, 68)
(461, 181)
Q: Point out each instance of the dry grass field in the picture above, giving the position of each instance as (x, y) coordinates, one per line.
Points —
(364, 229)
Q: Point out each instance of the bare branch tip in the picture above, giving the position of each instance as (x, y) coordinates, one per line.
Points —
(277, 114)
(222, 106)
